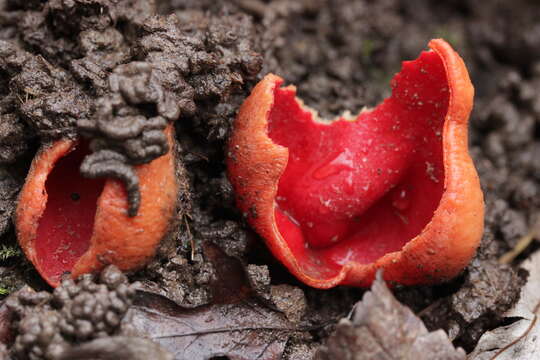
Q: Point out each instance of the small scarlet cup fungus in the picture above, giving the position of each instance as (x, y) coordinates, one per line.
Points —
(392, 188)
(67, 223)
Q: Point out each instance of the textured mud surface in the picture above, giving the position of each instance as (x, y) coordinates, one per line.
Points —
(65, 64)
(47, 324)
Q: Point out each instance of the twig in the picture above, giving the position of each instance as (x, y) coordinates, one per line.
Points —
(529, 328)
(247, 328)
(191, 240)
(265, 348)
(522, 244)
(199, 155)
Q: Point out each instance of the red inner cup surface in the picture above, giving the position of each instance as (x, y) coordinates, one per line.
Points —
(66, 225)
(357, 190)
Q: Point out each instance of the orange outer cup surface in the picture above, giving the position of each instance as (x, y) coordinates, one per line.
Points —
(114, 238)
(442, 248)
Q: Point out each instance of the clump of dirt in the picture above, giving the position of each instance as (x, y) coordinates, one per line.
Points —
(57, 57)
(48, 324)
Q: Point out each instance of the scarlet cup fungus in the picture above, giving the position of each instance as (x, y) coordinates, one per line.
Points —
(392, 188)
(68, 223)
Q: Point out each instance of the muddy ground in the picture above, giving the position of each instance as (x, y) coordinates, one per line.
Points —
(55, 59)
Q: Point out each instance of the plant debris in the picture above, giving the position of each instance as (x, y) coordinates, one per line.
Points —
(382, 328)
(122, 134)
(523, 243)
(239, 331)
(518, 340)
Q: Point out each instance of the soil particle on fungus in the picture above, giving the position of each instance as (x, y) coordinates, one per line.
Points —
(120, 126)
(127, 127)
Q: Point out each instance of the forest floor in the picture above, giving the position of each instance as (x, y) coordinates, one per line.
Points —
(341, 55)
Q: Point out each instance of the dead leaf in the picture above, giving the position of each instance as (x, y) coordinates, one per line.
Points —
(235, 325)
(517, 341)
(382, 328)
(239, 331)
(231, 284)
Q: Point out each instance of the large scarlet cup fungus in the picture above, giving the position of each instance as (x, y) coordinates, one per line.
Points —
(68, 223)
(393, 188)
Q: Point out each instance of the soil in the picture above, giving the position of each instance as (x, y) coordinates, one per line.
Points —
(55, 60)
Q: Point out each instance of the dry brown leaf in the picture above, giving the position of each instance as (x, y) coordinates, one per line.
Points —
(519, 340)
(241, 331)
(382, 328)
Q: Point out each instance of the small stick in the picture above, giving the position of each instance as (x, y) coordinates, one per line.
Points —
(529, 328)
(190, 239)
(523, 243)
